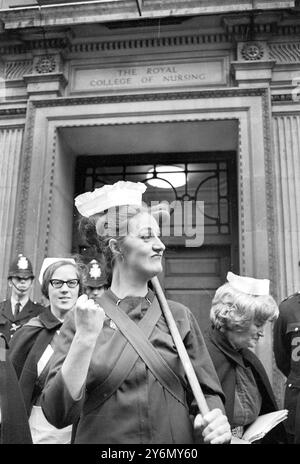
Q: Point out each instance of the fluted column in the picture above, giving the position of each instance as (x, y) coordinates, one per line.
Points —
(286, 131)
(10, 149)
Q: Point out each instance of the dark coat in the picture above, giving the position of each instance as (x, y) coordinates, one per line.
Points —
(225, 359)
(26, 348)
(140, 409)
(9, 324)
(287, 356)
(14, 422)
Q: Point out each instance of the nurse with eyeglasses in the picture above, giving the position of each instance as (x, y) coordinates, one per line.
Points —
(32, 346)
(57, 283)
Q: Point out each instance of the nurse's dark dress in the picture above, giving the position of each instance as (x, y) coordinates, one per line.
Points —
(246, 386)
(14, 427)
(133, 406)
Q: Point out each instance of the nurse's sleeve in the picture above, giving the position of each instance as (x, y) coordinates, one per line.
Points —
(58, 405)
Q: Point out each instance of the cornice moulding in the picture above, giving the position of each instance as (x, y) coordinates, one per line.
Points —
(12, 111)
(288, 67)
(257, 64)
(45, 77)
(112, 45)
(133, 41)
(213, 93)
(277, 98)
(120, 10)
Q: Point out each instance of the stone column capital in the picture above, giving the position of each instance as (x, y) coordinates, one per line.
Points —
(253, 65)
(47, 76)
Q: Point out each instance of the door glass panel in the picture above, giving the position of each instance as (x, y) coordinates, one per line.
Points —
(192, 182)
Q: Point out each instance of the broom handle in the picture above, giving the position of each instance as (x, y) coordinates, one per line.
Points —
(187, 365)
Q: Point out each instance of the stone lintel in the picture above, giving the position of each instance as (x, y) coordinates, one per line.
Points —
(45, 84)
(251, 72)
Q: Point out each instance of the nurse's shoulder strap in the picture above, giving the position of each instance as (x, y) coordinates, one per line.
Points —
(138, 346)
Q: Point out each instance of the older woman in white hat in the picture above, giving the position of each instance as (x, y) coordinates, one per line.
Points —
(32, 346)
(116, 372)
(240, 311)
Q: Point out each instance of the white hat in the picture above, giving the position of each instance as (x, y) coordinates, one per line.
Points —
(249, 284)
(48, 261)
(119, 194)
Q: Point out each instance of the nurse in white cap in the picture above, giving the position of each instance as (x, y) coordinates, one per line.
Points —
(33, 345)
(241, 309)
(116, 372)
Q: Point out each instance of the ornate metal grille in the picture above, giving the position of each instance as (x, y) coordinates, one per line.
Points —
(207, 181)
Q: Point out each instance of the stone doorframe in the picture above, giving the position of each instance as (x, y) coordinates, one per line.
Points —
(45, 200)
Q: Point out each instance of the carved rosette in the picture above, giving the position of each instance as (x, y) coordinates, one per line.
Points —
(252, 51)
(45, 64)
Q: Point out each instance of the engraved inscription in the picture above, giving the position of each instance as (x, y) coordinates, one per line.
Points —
(158, 75)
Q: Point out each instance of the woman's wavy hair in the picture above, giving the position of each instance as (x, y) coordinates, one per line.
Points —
(99, 229)
(78, 266)
(234, 310)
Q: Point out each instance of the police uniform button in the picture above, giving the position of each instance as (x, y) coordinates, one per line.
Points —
(289, 385)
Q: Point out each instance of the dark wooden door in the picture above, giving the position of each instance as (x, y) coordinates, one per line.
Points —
(191, 276)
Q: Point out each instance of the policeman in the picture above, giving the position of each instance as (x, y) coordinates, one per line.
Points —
(287, 356)
(95, 281)
(18, 309)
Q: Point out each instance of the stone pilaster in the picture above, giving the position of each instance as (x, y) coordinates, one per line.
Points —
(10, 149)
(286, 133)
(286, 149)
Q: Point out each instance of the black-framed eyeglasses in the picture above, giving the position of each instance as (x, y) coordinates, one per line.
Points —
(72, 283)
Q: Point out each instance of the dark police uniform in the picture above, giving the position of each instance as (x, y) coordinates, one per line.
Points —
(20, 267)
(287, 356)
(9, 324)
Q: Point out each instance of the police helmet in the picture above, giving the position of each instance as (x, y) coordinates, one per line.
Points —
(95, 275)
(21, 267)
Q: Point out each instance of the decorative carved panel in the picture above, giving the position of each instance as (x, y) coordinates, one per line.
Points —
(16, 69)
(285, 52)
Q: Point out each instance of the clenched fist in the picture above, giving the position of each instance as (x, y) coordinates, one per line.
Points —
(89, 316)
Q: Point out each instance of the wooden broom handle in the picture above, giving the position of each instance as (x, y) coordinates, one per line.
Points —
(186, 362)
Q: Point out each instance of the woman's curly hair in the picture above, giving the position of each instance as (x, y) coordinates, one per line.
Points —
(235, 310)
